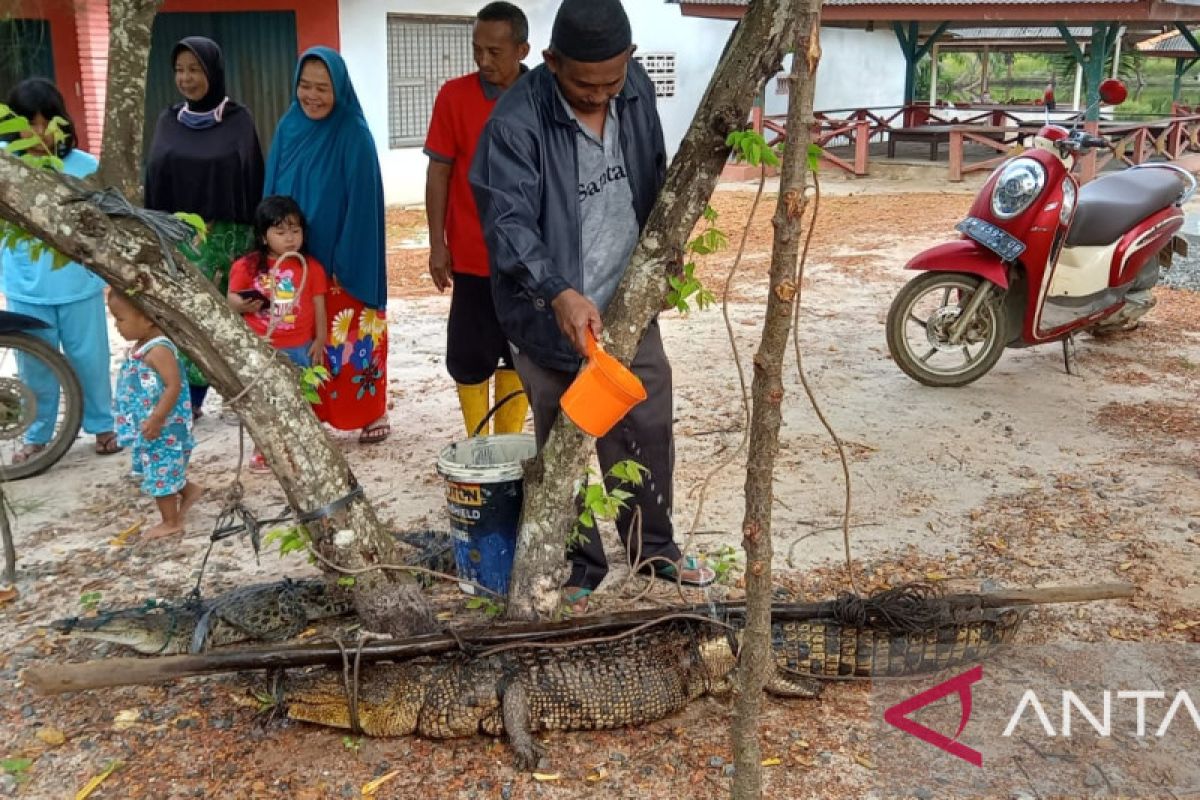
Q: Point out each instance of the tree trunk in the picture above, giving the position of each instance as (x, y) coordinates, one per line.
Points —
(130, 24)
(188, 308)
(754, 53)
(754, 661)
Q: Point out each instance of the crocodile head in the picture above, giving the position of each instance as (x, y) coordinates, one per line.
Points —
(390, 699)
(153, 631)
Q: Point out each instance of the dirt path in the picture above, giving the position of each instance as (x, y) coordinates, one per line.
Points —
(1028, 477)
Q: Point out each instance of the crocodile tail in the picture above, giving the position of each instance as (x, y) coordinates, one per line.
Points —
(829, 648)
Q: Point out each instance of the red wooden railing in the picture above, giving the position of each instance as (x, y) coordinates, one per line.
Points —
(998, 129)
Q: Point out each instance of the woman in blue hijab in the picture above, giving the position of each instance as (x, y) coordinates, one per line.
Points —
(323, 156)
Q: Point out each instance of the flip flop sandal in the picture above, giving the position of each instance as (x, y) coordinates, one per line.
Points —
(575, 597)
(27, 452)
(669, 572)
(375, 433)
(106, 444)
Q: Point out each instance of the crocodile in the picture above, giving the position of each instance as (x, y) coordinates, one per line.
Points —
(261, 612)
(265, 611)
(519, 690)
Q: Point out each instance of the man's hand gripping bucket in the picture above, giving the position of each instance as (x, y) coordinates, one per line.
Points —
(603, 392)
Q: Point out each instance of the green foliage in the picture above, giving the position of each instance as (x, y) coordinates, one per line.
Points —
(600, 503)
(311, 379)
(291, 540)
(750, 147)
(346, 581)
(491, 607)
(17, 767)
(685, 285)
(22, 144)
(725, 562)
(266, 701)
(352, 743)
(197, 222)
(814, 157)
(90, 600)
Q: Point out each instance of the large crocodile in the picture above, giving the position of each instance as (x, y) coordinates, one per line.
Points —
(519, 690)
(261, 612)
(265, 611)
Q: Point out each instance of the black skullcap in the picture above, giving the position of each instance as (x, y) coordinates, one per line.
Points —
(591, 30)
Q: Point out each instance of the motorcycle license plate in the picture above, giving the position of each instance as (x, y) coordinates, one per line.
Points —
(1003, 244)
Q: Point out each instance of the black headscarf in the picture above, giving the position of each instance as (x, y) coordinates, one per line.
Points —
(212, 61)
(216, 171)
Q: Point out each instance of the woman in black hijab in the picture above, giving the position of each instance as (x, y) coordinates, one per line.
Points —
(206, 159)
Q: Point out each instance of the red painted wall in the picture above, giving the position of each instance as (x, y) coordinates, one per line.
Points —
(316, 20)
(60, 14)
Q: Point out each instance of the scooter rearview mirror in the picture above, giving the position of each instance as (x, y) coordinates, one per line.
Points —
(1113, 92)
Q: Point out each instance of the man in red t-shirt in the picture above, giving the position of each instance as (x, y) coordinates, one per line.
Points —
(475, 346)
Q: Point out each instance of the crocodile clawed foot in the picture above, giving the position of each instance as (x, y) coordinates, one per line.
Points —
(530, 756)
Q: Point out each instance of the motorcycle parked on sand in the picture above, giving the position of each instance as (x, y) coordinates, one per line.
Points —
(1040, 258)
(21, 355)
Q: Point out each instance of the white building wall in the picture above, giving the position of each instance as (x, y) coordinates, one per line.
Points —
(857, 68)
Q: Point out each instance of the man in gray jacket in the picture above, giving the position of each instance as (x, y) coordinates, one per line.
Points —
(565, 177)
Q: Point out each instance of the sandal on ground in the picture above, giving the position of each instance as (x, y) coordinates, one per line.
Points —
(259, 465)
(27, 452)
(106, 444)
(576, 599)
(670, 572)
(376, 432)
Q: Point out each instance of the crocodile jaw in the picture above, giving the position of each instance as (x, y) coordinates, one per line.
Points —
(390, 698)
(150, 634)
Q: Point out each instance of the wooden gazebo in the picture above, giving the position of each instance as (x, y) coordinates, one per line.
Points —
(919, 25)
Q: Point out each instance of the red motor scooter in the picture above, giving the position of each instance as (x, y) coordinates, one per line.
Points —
(1039, 259)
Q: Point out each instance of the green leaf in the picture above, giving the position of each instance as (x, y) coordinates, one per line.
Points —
(814, 157)
(620, 494)
(587, 519)
(21, 145)
(710, 214)
(196, 221)
(475, 602)
(58, 260)
(346, 581)
(13, 125)
(15, 766)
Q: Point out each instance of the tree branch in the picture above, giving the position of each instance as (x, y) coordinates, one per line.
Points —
(753, 54)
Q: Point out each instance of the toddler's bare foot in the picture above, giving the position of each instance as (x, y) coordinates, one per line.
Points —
(188, 495)
(163, 530)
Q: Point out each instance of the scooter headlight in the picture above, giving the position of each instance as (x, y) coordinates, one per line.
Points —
(1068, 201)
(1021, 181)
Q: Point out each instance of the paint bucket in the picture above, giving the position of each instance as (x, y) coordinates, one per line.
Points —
(484, 490)
(602, 393)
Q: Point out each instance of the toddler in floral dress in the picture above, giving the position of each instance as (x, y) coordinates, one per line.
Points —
(154, 415)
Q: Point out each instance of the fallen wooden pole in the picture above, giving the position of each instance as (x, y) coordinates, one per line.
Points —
(103, 673)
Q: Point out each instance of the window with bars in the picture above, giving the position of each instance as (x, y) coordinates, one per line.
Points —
(423, 53)
(661, 69)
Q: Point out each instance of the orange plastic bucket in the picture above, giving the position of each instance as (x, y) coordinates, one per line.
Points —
(602, 393)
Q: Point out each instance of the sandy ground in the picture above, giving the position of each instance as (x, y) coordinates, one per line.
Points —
(1028, 477)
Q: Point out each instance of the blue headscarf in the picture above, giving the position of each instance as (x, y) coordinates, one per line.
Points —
(331, 169)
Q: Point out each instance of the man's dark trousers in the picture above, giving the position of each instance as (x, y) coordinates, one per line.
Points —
(645, 435)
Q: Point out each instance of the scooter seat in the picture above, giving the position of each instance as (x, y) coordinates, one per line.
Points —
(1111, 205)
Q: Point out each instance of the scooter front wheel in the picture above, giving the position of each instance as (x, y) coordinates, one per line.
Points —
(40, 397)
(919, 326)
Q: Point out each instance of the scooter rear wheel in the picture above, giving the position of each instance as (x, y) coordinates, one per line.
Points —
(23, 355)
(918, 330)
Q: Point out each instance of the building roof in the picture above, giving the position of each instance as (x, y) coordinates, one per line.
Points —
(981, 13)
(1169, 45)
(746, 3)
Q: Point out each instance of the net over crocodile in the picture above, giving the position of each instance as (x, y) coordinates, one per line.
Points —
(263, 612)
(520, 690)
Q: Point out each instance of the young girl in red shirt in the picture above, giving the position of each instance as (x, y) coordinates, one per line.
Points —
(279, 290)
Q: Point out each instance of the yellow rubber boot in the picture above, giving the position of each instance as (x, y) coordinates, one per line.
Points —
(473, 398)
(510, 418)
